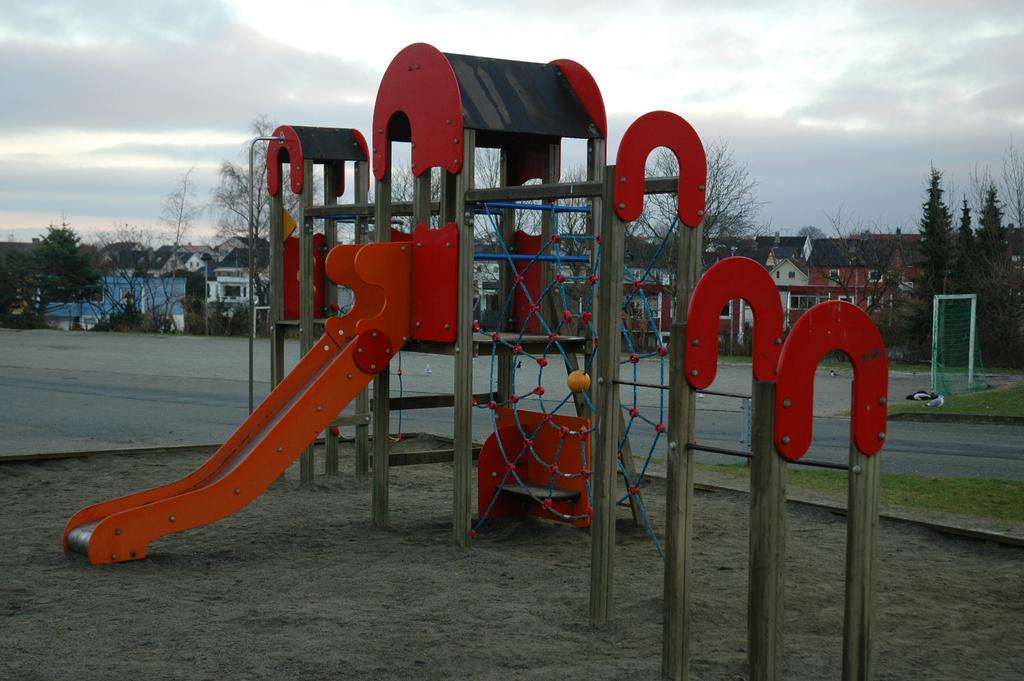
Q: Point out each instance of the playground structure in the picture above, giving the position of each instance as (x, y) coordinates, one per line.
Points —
(415, 291)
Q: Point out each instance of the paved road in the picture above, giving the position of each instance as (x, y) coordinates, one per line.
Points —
(70, 391)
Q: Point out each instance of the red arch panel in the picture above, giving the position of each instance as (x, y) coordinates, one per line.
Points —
(727, 280)
(420, 83)
(652, 130)
(830, 327)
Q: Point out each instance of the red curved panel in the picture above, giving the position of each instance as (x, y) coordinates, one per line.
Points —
(652, 130)
(585, 87)
(830, 327)
(420, 83)
(292, 151)
(727, 280)
(361, 141)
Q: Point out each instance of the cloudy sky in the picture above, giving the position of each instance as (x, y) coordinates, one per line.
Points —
(104, 103)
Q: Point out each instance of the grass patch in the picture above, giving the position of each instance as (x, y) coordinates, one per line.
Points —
(1005, 401)
(998, 499)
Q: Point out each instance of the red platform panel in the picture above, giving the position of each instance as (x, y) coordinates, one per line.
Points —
(562, 442)
(291, 277)
(420, 84)
(435, 282)
(724, 281)
(652, 130)
(399, 235)
(527, 292)
(831, 327)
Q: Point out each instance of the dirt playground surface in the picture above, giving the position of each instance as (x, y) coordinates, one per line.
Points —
(300, 586)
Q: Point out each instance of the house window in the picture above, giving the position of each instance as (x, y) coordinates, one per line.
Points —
(232, 291)
(833, 275)
(792, 274)
(874, 275)
(776, 274)
(126, 296)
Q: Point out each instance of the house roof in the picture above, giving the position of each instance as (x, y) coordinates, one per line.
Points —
(22, 247)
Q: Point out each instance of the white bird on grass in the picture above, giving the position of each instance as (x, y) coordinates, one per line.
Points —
(937, 402)
(921, 395)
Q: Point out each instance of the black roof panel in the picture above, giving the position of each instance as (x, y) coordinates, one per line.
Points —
(505, 96)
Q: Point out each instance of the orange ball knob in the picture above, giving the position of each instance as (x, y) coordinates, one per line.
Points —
(578, 381)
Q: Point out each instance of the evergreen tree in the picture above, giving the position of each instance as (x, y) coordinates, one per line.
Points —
(993, 246)
(63, 272)
(963, 263)
(998, 310)
(937, 252)
(936, 239)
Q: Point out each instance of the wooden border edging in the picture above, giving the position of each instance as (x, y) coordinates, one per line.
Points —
(966, 532)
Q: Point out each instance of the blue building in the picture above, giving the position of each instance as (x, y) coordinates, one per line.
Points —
(159, 297)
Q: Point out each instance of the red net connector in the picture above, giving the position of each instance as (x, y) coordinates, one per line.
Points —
(634, 358)
(618, 455)
(662, 350)
(335, 431)
(553, 337)
(563, 431)
(585, 474)
(510, 467)
(518, 279)
(560, 278)
(554, 469)
(555, 238)
(633, 412)
(539, 390)
(528, 443)
(496, 337)
(660, 428)
(592, 279)
(587, 316)
(476, 325)
(475, 403)
(492, 405)
(637, 285)
(633, 490)
(542, 361)
(472, 534)
(516, 349)
(534, 309)
(567, 316)
(584, 431)
(548, 503)
(597, 239)
(514, 399)
(336, 307)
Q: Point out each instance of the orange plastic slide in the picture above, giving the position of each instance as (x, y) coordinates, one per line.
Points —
(352, 350)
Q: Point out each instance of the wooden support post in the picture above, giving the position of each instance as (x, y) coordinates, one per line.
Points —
(675, 653)
(462, 496)
(767, 558)
(505, 283)
(276, 293)
(362, 435)
(382, 383)
(861, 551)
(608, 320)
(306, 313)
(331, 171)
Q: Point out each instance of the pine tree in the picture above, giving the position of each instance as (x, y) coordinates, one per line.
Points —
(993, 246)
(936, 240)
(962, 268)
(63, 271)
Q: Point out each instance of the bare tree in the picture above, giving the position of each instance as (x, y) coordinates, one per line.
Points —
(1013, 185)
(869, 262)
(229, 201)
(178, 214)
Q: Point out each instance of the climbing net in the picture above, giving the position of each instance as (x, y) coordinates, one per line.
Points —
(550, 321)
(552, 311)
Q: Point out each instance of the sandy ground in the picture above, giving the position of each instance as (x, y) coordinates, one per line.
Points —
(300, 586)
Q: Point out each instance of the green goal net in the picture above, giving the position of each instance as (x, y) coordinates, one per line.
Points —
(956, 356)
